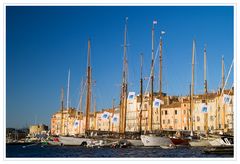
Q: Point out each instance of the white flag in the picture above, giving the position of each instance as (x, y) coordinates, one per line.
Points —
(76, 123)
(154, 22)
(226, 99)
(131, 95)
(204, 108)
(163, 32)
(105, 115)
(156, 103)
(115, 119)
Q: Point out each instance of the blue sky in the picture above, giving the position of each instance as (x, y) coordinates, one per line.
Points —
(44, 42)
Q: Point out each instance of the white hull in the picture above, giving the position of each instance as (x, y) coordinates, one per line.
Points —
(135, 142)
(152, 140)
(200, 142)
(220, 142)
(73, 141)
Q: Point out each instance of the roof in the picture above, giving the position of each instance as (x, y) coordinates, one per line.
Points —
(172, 105)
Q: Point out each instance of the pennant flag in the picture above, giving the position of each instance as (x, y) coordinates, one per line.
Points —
(105, 115)
(131, 95)
(204, 108)
(115, 119)
(76, 123)
(163, 32)
(156, 103)
(154, 22)
(226, 99)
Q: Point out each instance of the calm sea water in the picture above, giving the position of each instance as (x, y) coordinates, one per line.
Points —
(39, 151)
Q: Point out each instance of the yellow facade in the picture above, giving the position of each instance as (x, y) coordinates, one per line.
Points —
(175, 115)
(37, 129)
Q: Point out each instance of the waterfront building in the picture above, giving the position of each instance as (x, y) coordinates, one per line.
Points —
(175, 115)
(219, 116)
(62, 122)
(37, 129)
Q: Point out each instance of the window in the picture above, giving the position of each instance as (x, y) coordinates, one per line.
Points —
(163, 121)
(175, 121)
(198, 118)
(145, 106)
(184, 112)
(165, 112)
(198, 127)
(168, 121)
(185, 105)
(175, 112)
(211, 118)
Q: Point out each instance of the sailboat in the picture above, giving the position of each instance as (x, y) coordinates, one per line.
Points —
(222, 140)
(195, 140)
(153, 139)
(77, 141)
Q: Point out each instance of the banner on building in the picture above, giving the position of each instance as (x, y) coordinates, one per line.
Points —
(226, 99)
(76, 123)
(115, 119)
(105, 115)
(204, 108)
(156, 103)
(131, 95)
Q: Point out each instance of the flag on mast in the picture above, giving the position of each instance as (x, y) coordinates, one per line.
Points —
(204, 108)
(156, 103)
(154, 22)
(105, 115)
(226, 99)
(115, 119)
(131, 95)
(76, 123)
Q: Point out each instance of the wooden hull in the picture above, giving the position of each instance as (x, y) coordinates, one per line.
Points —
(180, 141)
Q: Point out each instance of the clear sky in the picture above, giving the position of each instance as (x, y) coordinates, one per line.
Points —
(44, 42)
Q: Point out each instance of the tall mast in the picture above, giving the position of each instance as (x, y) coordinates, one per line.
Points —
(95, 120)
(124, 84)
(160, 83)
(68, 88)
(223, 83)
(88, 101)
(62, 108)
(223, 77)
(205, 90)
(141, 95)
(189, 114)
(150, 119)
(192, 84)
(83, 82)
(113, 101)
(205, 71)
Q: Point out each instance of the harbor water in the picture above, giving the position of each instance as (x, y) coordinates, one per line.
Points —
(47, 151)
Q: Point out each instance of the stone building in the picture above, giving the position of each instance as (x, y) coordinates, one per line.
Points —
(38, 129)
